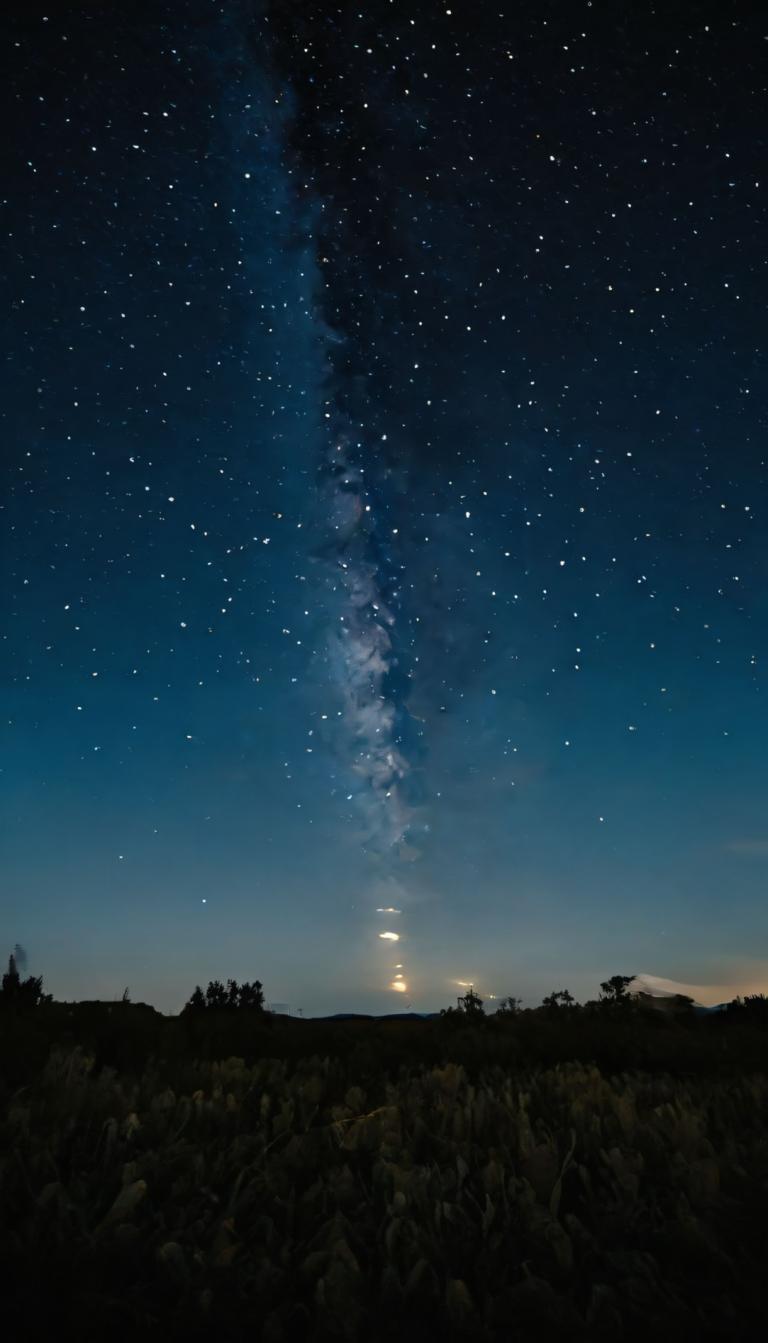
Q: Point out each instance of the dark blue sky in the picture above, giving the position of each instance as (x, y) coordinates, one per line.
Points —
(384, 430)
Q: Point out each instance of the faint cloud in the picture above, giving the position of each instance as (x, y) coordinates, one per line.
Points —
(706, 994)
(749, 848)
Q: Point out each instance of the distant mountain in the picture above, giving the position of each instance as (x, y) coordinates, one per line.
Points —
(385, 1016)
(346, 1016)
(409, 1016)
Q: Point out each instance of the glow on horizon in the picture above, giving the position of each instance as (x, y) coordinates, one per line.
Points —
(709, 995)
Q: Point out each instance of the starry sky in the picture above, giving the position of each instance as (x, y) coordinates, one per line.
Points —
(384, 512)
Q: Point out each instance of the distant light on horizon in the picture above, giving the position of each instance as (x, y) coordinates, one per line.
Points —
(390, 937)
(399, 985)
(388, 909)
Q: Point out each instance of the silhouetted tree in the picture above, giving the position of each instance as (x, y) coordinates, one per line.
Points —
(230, 998)
(216, 995)
(616, 989)
(471, 1005)
(468, 1007)
(11, 981)
(21, 994)
(252, 996)
(559, 999)
(509, 1007)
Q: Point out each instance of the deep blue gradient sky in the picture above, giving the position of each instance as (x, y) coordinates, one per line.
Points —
(385, 507)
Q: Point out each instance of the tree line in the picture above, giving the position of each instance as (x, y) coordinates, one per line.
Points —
(614, 993)
(26, 994)
(227, 997)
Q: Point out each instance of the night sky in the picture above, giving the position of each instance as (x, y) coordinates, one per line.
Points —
(384, 501)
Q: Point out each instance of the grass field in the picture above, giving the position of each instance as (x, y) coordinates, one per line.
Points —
(402, 1181)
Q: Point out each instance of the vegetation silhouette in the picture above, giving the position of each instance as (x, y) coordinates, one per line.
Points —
(469, 1009)
(229, 997)
(616, 989)
(590, 1170)
(21, 995)
(559, 1000)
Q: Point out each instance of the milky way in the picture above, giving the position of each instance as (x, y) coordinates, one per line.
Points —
(363, 654)
(384, 498)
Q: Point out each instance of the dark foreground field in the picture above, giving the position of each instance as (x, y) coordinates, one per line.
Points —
(382, 1180)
